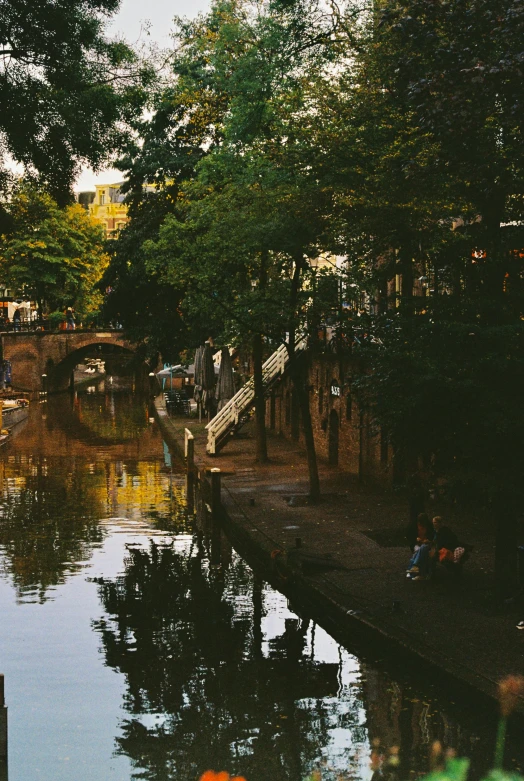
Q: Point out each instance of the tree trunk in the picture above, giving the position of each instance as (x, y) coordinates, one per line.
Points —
(495, 266)
(314, 480)
(298, 372)
(258, 379)
(299, 375)
(260, 403)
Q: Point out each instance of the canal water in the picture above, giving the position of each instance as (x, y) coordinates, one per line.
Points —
(129, 655)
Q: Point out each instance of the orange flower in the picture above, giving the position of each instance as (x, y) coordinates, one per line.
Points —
(510, 690)
(210, 775)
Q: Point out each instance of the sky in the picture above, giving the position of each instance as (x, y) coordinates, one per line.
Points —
(129, 23)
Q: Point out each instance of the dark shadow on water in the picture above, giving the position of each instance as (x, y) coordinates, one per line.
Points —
(172, 629)
(206, 687)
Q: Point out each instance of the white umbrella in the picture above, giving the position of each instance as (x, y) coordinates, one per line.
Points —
(172, 371)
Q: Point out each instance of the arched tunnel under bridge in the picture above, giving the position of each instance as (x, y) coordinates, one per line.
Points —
(55, 355)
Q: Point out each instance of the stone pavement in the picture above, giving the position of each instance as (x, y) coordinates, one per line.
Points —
(454, 626)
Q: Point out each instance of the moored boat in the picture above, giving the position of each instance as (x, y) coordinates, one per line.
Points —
(14, 411)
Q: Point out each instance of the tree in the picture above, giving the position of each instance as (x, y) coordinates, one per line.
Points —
(158, 158)
(54, 255)
(448, 162)
(65, 89)
(147, 309)
(254, 213)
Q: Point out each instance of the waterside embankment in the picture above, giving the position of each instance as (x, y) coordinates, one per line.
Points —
(349, 570)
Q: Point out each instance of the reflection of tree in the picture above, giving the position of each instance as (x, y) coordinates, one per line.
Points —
(188, 657)
(110, 416)
(50, 513)
(48, 525)
(399, 716)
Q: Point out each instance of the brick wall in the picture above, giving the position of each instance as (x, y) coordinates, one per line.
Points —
(343, 434)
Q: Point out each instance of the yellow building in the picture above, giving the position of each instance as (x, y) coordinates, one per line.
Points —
(108, 207)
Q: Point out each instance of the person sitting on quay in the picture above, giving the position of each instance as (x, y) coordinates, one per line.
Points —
(420, 565)
(448, 549)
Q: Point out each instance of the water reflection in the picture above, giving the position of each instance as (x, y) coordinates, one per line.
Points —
(210, 683)
(140, 645)
(48, 523)
(78, 460)
(108, 416)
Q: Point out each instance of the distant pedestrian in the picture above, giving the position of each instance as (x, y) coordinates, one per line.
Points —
(70, 319)
(17, 319)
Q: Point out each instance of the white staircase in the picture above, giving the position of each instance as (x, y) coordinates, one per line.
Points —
(229, 416)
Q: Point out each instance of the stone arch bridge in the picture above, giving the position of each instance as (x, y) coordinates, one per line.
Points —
(55, 354)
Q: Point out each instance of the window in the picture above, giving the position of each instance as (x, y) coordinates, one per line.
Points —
(102, 198)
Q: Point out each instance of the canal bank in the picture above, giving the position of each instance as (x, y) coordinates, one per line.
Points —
(142, 642)
(345, 559)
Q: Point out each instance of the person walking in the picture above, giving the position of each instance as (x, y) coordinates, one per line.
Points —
(17, 320)
(70, 319)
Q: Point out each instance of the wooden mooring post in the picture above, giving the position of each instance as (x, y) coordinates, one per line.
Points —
(189, 451)
(216, 493)
(216, 503)
(3, 732)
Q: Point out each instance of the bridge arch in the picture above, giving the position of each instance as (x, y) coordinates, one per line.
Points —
(55, 353)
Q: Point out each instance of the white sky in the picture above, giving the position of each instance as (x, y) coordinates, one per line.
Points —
(129, 23)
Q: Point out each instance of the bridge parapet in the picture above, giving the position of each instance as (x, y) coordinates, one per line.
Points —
(54, 353)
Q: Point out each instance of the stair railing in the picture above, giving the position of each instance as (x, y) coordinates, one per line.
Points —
(229, 416)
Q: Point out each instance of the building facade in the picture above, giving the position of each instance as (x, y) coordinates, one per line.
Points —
(106, 205)
(345, 435)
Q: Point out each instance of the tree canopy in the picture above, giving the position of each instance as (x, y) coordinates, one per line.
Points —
(53, 255)
(66, 90)
(389, 134)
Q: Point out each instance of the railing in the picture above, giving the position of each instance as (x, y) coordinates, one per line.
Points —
(229, 416)
(36, 326)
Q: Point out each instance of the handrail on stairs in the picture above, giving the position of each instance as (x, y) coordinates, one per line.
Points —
(229, 415)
